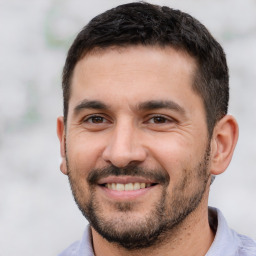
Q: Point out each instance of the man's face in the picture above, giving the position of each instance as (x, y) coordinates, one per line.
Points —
(137, 147)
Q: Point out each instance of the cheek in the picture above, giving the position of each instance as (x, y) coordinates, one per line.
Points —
(170, 151)
(83, 154)
(175, 153)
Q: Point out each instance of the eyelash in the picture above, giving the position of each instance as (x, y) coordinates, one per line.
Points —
(103, 119)
(87, 119)
(164, 119)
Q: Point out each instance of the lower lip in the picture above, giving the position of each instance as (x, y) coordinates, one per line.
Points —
(125, 195)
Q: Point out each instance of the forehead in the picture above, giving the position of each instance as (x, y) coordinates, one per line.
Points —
(133, 75)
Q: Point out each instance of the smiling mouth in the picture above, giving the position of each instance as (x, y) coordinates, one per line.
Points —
(128, 186)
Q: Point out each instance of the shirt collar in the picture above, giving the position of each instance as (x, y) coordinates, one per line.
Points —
(85, 246)
(226, 241)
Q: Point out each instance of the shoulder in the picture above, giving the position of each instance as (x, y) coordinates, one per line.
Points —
(82, 247)
(71, 250)
(247, 246)
(227, 241)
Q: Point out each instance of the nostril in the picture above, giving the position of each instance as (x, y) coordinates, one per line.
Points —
(123, 149)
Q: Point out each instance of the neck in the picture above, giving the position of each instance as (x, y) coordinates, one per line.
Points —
(193, 237)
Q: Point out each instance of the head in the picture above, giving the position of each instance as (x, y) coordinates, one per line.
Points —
(145, 127)
(151, 25)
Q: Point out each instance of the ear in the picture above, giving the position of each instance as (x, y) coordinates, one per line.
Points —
(62, 138)
(223, 142)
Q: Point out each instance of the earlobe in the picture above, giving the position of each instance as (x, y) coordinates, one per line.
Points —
(62, 138)
(224, 139)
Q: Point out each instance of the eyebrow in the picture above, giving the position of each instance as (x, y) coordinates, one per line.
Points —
(90, 104)
(158, 104)
(144, 106)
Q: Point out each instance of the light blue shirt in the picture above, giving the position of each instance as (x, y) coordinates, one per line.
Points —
(226, 242)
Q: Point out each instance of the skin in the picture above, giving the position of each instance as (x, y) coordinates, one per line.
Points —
(172, 139)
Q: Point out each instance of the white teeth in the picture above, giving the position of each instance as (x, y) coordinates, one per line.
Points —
(142, 185)
(127, 187)
(136, 186)
(119, 187)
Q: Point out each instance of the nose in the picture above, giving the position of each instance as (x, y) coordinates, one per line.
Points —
(124, 146)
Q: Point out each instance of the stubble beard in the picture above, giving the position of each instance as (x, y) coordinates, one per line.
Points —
(159, 224)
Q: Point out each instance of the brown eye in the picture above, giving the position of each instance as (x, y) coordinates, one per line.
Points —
(159, 120)
(160, 123)
(95, 120)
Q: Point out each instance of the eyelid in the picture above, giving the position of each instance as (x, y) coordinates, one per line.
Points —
(90, 116)
(168, 118)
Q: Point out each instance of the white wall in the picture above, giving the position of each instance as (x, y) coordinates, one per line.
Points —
(37, 212)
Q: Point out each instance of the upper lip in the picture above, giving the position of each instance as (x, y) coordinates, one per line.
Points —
(124, 180)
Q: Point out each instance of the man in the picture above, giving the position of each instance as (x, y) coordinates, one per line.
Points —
(144, 132)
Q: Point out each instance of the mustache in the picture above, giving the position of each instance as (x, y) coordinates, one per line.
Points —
(158, 175)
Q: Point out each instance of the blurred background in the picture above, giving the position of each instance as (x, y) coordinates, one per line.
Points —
(37, 213)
